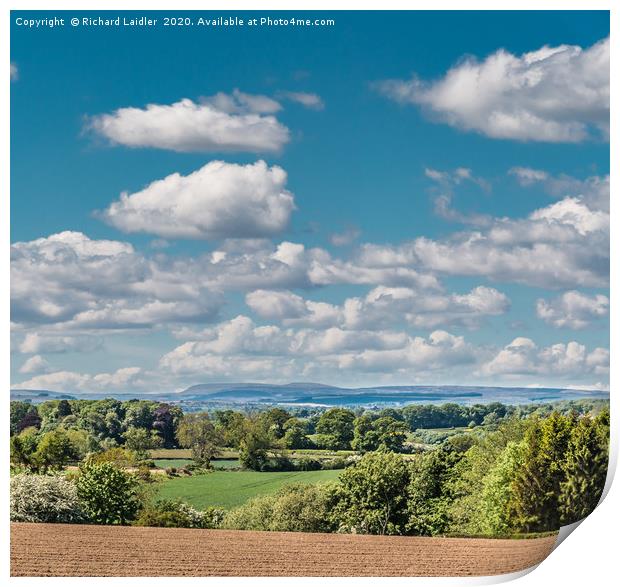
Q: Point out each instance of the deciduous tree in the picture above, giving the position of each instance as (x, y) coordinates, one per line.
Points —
(108, 494)
(196, 431)
(336, 427)
(371, 497)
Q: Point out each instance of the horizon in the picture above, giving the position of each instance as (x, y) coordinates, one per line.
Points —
(292, 384)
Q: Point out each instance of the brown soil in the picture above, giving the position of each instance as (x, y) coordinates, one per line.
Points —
(77, 550)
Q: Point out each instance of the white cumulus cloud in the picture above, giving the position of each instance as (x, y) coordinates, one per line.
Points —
(346, 237)
(594, 190)
(185, 126)
(572, 309)
(124, 379)
(424, 309)
(443, 192)
(382, 306)
(292, 309)
(565, 244)
(553, 94)
(239, 102)
(523, 357)
(307, 99)
(34, 365)
(49, 342)
(219, 200)
(240, 343)
(71, 280)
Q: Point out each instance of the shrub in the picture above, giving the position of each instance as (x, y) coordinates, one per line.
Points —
(295, 434)
(212, 517)
(301, 508)
(335, 429)
(308, 464)
(328, 442)
(120, 457)
(23, 448)
(140, 441)
(83, 442)
(42, 498)
(337, 463)
(176, 514)
(197, 431)
(255, 445)
(108, 494)
(195, 468)
(278, 463)
(143, 473)
(255, 514)
(294, 508)
(496, 495)
(431, 492)
(55, 450)
(371, 497)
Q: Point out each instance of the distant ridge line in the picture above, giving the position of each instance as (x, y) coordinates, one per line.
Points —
(299, 393)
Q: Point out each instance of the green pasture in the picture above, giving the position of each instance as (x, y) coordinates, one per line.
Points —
(229, 489)
(180, 463)
(167, 463)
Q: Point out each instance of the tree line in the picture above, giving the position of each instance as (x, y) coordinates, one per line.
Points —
(57, 432)
(528, 475)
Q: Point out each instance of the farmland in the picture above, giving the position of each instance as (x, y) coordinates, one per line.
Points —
(69, 550)
(419, 471)
(168, 463)
(228, 489)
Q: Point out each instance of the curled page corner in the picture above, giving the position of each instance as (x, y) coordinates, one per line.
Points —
(565, 532)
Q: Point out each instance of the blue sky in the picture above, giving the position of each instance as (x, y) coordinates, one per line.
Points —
(439, 181)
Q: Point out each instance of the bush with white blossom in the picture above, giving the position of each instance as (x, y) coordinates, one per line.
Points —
(44, 498)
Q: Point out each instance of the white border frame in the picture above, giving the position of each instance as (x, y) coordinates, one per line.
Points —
(587, 557)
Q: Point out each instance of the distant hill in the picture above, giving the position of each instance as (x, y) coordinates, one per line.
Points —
(38, 395)
(42, 395)
(255, 391)
(327, 395)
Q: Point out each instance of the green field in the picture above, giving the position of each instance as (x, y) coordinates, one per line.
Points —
(166, 463)
(229, 489)
(171, 453)
(180, 463)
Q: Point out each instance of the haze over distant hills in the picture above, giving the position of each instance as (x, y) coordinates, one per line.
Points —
(327, 395)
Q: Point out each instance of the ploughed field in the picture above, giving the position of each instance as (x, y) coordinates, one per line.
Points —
(80, 550)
